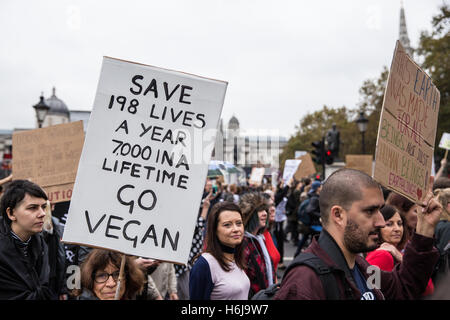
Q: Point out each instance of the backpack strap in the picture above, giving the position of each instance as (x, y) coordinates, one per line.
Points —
(325, 273)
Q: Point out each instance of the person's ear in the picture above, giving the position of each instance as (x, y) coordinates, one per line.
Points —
(337, 215)
(10, 214)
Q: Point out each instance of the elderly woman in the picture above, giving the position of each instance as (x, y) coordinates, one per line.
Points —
(260, 268)
(100, 274)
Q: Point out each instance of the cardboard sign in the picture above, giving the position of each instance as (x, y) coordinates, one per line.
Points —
(445, 141)
(256, 176)
(144, 163)
(290, 167)
(49, 157)
(306, 167)
(407, 129)
(361, 162)
(59, 193)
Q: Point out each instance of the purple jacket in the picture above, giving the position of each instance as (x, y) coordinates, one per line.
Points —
(407, 281)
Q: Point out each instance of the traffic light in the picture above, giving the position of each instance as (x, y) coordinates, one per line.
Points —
(329, 158)
(318, 152)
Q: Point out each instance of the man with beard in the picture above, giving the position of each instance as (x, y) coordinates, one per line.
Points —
(350, 203)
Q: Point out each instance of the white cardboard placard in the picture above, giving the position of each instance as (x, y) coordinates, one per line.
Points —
(145, 159)
(290, 168)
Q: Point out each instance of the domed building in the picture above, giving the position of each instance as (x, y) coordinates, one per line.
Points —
(233, 124)
(58, 112)
(246, 148)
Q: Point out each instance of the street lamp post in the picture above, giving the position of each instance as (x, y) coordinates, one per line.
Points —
(41, 109)
(362, 126)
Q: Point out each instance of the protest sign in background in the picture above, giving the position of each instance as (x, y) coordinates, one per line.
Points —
(361, 162)
(256, 176)
(407, 129)
(306, 167)
(445, 141)
(144, 163)
(49, 157)
(290, 167)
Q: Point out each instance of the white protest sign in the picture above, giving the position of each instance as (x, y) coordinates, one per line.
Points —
(257, 175)
(290, 168)
(144, 162)
(445, 141)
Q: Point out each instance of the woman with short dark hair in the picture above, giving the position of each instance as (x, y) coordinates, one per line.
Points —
(24, 261)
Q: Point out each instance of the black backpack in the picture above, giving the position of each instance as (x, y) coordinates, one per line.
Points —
(325, 273)
(301, 213)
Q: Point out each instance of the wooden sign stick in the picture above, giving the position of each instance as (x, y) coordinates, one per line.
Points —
(121, 274)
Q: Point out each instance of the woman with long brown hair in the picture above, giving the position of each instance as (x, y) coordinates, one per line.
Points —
(218, 274)
(393, 238)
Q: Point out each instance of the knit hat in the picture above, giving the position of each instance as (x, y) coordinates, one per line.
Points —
(314, 186)
(250, 203)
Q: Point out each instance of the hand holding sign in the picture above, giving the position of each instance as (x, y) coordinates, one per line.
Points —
(429, 215)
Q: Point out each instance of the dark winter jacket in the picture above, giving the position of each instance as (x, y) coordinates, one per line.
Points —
(442, 235)
(292, 204)
(313, 209)
(280, 194)
(407, 281)
(23, 277)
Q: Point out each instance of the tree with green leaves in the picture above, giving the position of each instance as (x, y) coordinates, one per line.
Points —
(314, 126)
(434, 48)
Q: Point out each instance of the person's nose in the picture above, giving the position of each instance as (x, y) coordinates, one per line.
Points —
(41, 213)
(111, 282)
(396, 227)
(379, 220)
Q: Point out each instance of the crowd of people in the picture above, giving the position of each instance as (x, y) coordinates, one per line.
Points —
(347, 224)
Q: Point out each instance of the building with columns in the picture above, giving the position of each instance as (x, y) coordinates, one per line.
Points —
(247, 148)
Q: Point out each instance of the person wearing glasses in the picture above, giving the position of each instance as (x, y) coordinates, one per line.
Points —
(100, 275)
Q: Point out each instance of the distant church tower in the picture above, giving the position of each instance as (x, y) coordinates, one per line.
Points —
(403, 32)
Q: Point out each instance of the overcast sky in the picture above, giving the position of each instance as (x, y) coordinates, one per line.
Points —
(281, 59)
